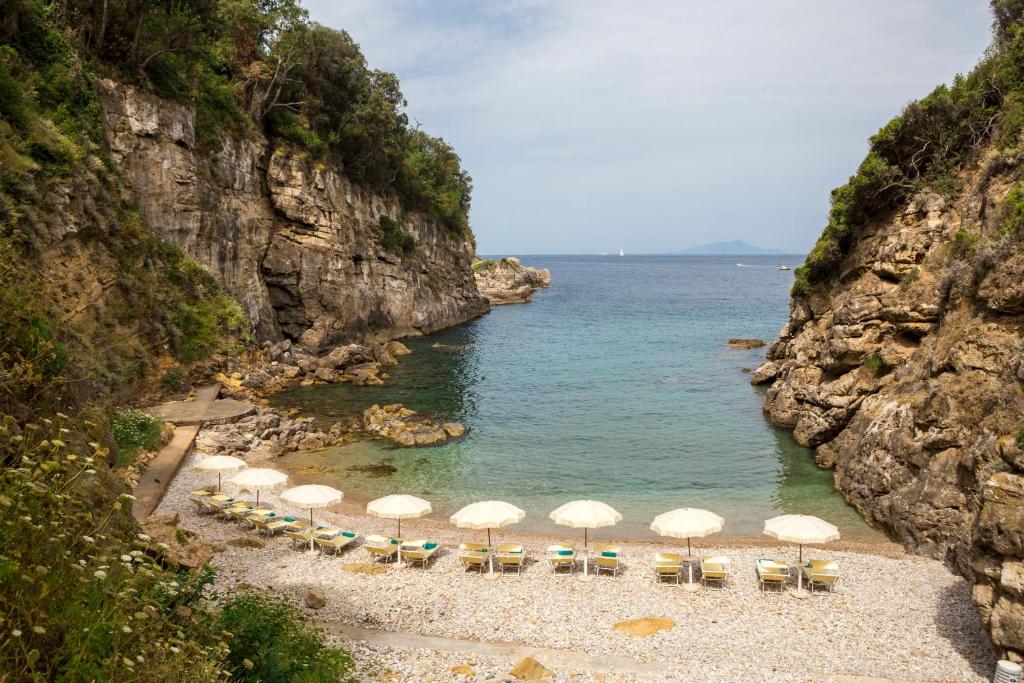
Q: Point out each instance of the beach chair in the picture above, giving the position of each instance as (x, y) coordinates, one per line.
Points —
(561, 556)
(510, 556)
(821, 574)
(714, 569)
(335, 542)
(301, 532)
(473, 556)
(608, 558)
(273, 523)
(238, 510)
(381, 547)
(419, 551)
(211, 504)
(668, 566)
(771, 573)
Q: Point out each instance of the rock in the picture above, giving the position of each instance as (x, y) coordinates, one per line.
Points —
(453, 429)
(181, 548)
(397, 348)
(766, 372)
(529, 669)
(506, 281)
(646, 626)
(744, 344)
(248, 542)
(297, 240)
(364, 568)
(463, 670)
(447, 348)
(315, 599)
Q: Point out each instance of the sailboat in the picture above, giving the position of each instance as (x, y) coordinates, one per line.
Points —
(621, 253)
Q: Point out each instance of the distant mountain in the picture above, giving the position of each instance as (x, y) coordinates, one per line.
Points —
(733, 248)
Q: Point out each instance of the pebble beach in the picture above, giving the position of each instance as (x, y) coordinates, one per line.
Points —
(892, 615)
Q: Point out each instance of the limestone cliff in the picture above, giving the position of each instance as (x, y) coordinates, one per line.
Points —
(507, 281)
(296, 243)
(904, 369)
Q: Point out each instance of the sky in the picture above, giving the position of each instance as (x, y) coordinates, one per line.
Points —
(590, 126)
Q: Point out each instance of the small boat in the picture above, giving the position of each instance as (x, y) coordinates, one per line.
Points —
(741, 265)
(783, 267)
(621, 253)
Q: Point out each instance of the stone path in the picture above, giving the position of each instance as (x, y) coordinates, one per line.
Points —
(554, 659)
(161, 469)
(209, 412)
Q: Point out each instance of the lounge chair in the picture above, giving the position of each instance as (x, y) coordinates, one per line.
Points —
(274, 522)
(821, 574)
(560, 556)
(714, 570)
(419, 551)
(381, 547)
(334, 542)
(608, 558)
(510, 556)
(473, 558)
(302, 532)
(238, 510)
(668, 565)
(213, 503)
(771, 573)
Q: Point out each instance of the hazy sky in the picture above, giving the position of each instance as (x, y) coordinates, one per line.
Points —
(589, 126)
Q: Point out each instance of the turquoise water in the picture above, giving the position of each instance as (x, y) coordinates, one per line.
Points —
(615, 384)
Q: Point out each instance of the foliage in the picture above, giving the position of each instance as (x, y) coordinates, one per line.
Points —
(135, 430)
(173, 379)
(910, 278)
(395, 239)
(876, 365)
(83, 595)
(964, 244)
(928, 144)
(1020, 435)
(1012, 220)
(272, 642)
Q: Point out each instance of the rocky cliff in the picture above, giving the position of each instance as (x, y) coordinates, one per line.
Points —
(507, 281)
(296, 243)
(904, 369)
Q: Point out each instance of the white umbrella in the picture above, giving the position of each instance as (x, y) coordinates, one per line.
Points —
(687, 523)
(487, 514)
(801, 529)
(259, 479)
(399, 507)
(586, 515)
(311, 496)
(220, 464)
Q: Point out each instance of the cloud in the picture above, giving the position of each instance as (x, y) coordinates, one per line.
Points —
(658, 125)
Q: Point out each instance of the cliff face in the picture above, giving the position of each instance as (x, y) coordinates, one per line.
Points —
(296, 243)
(506, 281)
(905, 370)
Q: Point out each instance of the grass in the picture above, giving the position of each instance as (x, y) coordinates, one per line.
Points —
(964, 244)
(1020, 435)
(394, 238)
(876, 365)
(910, 278)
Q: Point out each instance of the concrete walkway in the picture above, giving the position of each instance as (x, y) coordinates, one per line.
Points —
(161, 469)
(554, 659)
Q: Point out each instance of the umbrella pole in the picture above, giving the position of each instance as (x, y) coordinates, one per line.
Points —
(689, 565)
(585, 562)
(257, 497)
(310, 529)
(218, 482)
(399, 530)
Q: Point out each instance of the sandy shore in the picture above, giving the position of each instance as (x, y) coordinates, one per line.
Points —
(892, 615)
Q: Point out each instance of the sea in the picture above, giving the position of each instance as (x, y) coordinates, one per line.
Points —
(615, 384)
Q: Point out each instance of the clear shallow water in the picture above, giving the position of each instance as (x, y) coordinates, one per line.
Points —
(615, 384)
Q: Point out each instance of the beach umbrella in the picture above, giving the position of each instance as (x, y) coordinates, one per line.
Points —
(399, 507)
(801, 529)
(487, 514)
(687, 523)
(586, 515)
(220, 464)
(259, 479)
(312, 496)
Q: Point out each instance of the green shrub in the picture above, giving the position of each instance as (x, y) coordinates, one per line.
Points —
(395, 239)
(135, 430)
(1012, 223)
(207, 326)
(1020, 435)
(173, 379)
(876, 365)
(910, 278)
(964, 244)
(271, 642)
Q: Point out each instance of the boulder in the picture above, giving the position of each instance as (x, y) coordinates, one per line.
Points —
(454, 430)
(315, 599)
(744, 344)
(766, 372)
(529, 669)
(397, 348)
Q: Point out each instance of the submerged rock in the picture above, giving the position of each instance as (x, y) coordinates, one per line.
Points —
(744, 344)
(401, 425)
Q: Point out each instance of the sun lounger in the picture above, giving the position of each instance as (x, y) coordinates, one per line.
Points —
(274, 522)
(714, 570)
(301, 532)
(668, 565)
(473, 559)
(822, 574)
(561, 556)
(215, 504)
(419, 551)
(771, 573)
(381, 547)
(335, 542)
(510, 556)
(238, 509)
(608, 558)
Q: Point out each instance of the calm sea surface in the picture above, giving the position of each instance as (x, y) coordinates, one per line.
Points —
(615, 384)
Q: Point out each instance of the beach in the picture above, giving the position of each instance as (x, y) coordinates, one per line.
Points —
(892, 614)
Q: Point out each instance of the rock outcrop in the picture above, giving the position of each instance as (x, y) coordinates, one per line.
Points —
(405, 427)
(905, 372)
(296, 243)
(506, 281)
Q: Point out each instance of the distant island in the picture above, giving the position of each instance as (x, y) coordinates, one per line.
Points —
(735, 247)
